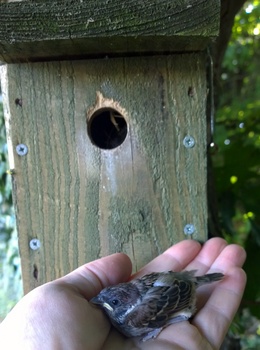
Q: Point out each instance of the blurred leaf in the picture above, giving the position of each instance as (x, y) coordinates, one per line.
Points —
(237, 163)
(252, 292)
(10, 272)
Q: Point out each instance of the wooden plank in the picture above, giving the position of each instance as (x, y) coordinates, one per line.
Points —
(83, 202)
(49, 30)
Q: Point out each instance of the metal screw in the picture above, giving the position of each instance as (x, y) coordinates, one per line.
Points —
(188, 141)
(35, 244)
(21, 149)
(189, 229)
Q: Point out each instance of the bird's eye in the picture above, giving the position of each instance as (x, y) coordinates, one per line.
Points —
(115, 302)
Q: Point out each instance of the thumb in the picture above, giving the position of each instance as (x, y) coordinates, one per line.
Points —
(90, 278)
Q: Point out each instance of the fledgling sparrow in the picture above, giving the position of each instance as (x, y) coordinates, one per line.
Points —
(146, 305)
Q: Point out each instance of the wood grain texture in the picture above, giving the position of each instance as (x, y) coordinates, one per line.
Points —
(49, 30)
(82, 202)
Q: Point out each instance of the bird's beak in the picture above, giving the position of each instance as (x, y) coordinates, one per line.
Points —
(96, 300)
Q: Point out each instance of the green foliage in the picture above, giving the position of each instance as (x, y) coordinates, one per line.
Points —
(237, 162)
(5, 187)
(10, 272)
(246, 327)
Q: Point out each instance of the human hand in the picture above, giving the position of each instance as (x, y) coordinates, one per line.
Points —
(57, 315)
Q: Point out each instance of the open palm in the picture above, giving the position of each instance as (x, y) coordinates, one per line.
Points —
(57, 315)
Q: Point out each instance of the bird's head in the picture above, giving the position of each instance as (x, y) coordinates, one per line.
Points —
(117, 301)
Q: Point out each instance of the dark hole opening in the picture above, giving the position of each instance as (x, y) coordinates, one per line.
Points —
(107, 128)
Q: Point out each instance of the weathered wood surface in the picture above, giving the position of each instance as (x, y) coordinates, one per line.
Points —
(48, 30)
(83, 202)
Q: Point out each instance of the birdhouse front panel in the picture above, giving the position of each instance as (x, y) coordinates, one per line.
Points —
(108, 155)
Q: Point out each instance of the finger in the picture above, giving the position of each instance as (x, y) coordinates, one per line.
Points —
(175, 258)
(232, 255)
(118, 341)
(214, 319)
(90, 278)
(186, 336)
(210, 251)
(229, 257)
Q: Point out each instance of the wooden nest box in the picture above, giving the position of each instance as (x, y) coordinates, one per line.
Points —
(105, 108)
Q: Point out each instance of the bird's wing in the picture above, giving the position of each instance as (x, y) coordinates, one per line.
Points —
(160, 304)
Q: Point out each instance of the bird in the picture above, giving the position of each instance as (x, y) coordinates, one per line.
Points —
(144, 306)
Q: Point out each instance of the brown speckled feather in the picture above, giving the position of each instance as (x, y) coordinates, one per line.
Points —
(160, 303)
(144, 306)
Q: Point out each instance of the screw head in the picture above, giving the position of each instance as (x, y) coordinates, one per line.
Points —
(34, 244)
(21, 149)
(189, 229)
(189, 141)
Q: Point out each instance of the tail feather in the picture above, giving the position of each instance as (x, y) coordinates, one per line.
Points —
(209, 278)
